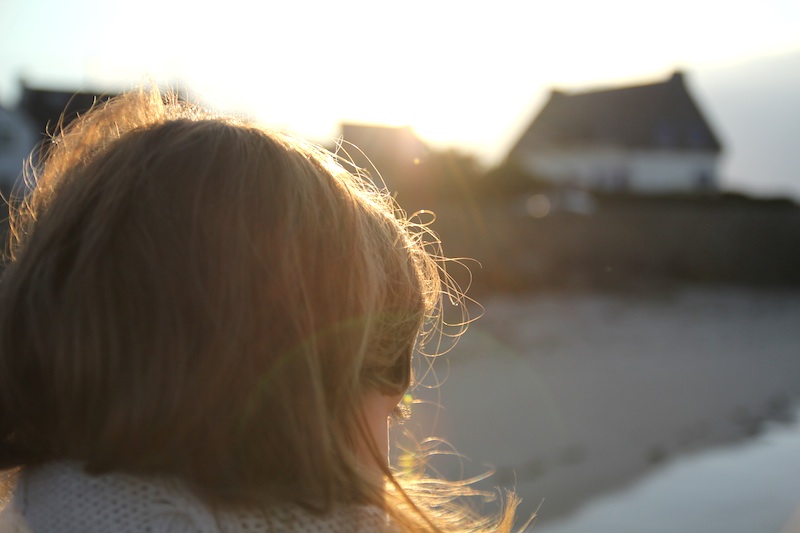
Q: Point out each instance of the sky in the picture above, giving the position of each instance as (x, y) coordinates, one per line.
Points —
(469, 75)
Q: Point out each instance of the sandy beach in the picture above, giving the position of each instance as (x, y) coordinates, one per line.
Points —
(569, 395)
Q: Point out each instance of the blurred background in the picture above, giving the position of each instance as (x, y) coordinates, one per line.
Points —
(622, 175)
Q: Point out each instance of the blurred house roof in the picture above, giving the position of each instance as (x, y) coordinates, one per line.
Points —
(382, 145)
(45, 107)
(17, 138)
(389, 154)
(659, 115)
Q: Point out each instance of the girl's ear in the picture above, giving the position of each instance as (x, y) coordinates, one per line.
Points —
(376, 409)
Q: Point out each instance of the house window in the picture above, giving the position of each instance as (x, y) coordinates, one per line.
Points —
(704, 182)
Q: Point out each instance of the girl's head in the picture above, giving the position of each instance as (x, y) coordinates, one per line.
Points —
(193, 295)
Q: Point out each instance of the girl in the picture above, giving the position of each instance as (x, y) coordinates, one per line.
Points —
(204, 326)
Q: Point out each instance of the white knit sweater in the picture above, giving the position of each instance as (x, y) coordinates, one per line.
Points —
(61, 497)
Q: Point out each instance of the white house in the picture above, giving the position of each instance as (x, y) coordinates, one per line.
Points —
(643, 139)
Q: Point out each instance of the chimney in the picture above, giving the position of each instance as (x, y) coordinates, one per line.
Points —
(677, 77)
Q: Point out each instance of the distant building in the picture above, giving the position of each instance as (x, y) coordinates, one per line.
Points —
(17, 138)
(45, 107)
(394, 152)
(644, 139)
(37, 114)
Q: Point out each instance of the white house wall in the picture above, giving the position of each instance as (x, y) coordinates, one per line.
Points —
(645, 171)
(585, 168)
(662, 171)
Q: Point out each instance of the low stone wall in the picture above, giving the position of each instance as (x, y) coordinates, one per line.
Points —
(626, 242)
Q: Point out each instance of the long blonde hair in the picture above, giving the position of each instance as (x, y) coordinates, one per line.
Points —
(190, 294)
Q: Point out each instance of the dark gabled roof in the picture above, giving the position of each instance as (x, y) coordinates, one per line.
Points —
(659, 115)
(384, 140)
(389, 154)
(46, 106)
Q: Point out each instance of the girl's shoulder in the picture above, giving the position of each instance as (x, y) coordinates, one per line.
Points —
(63, 497)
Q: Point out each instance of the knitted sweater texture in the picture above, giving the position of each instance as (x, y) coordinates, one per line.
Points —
(61, 497)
